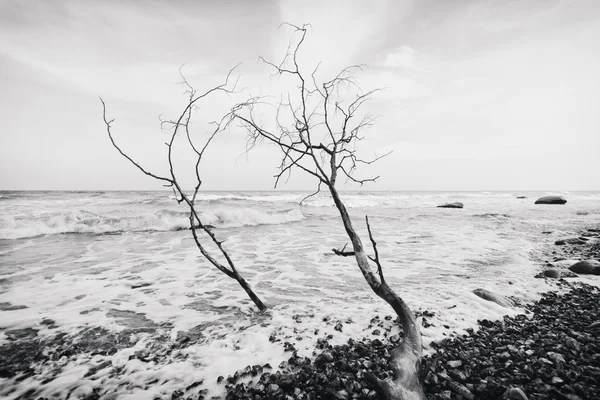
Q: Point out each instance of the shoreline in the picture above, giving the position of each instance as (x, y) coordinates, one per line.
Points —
(336, 374)
(550, 353)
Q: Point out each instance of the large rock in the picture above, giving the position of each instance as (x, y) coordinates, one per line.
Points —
(495, 298)
(590, 267)
(456, 204)
(551, 200)
(573, 240)
(556, 274)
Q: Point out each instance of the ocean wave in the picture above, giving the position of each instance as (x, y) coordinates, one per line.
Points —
(228, 218)
(491, 215)
(250, 196)
(81, 221)
(355, 201)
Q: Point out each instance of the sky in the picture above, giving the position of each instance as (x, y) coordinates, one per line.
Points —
(478, 94)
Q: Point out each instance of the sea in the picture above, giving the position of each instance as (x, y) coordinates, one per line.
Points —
(117, 261)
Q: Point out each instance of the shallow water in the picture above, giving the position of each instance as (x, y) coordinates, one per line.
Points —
(82, 259)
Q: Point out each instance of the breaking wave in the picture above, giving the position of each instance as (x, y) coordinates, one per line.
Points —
(81, 221)
(491, 215)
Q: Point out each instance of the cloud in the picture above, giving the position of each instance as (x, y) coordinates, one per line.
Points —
(402, 57)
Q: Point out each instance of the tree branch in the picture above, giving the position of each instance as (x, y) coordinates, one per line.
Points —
(195, 222)
(376, 259)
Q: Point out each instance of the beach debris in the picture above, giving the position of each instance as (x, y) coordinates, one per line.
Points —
(551, 200)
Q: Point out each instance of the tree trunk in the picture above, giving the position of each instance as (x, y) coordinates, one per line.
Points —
(257, 301)
(406, 357)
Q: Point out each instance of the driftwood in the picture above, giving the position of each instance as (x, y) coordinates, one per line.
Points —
(322, 141)
(180, 126)
(343, 252)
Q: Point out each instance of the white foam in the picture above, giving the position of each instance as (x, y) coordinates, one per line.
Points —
(228, 218)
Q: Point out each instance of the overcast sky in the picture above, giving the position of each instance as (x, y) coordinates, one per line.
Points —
(480, 94)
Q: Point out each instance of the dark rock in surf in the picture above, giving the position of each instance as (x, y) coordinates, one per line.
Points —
(561, 242)
(589, 235)
(6, 306)
(586, 267)
(551, 200)
(493, 297)
(556, 274)
(140, 285)
(456, 204)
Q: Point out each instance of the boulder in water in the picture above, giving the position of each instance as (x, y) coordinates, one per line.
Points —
(495, 298)
(556, 274)
(572, 240)
(590, 267)
(551, 200)
(456, 204)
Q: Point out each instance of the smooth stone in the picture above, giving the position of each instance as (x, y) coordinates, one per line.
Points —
(558, 274)
(456, 204)
(551, 200)
(493, 297)
(515, 393)
(591, 267)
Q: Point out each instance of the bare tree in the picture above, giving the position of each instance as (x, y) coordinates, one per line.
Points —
(318, 133)
(176, 127)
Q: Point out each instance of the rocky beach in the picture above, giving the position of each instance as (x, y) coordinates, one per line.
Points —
(551, 352)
